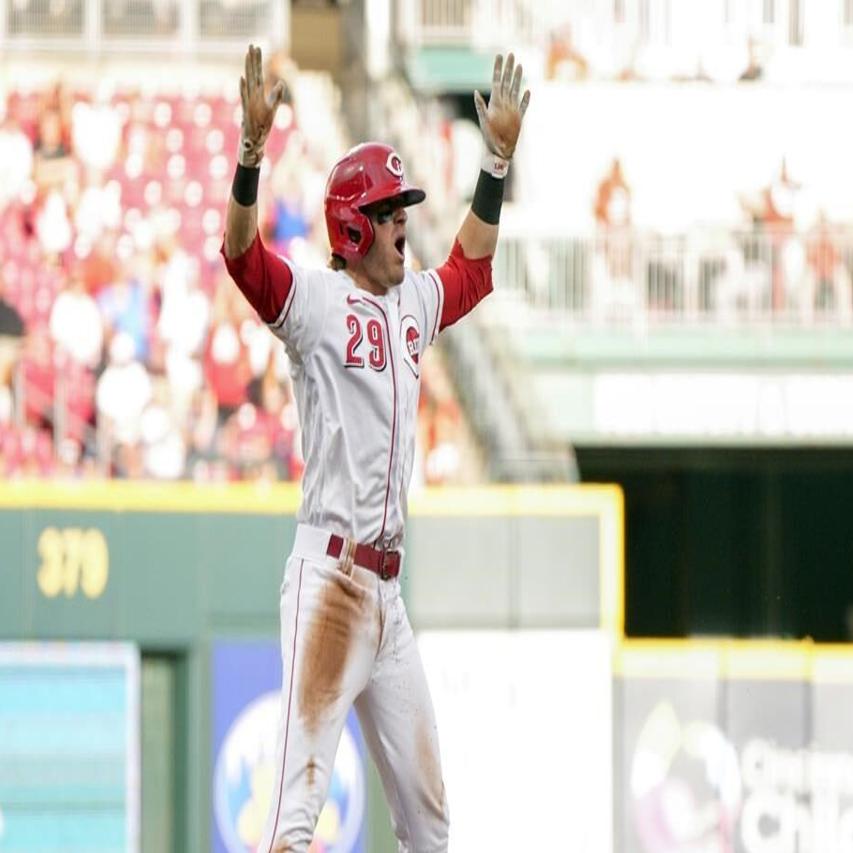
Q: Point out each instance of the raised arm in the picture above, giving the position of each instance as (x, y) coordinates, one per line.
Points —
(466, 275)
(500, 124)
(241, 219)
(264, 278)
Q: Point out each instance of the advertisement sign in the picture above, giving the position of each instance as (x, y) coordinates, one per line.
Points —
(525, 729)
(245, 717)
(718, 405)
(725, 764)
(69, 748)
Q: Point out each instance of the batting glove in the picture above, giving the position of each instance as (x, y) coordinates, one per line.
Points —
(258, 109)
(500, 122)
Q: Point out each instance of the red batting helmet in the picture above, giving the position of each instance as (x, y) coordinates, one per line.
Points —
(368, 173)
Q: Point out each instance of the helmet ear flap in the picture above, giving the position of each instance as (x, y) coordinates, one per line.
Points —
(362, 226)
(354, 233)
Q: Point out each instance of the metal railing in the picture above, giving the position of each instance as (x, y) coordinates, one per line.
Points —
(56, 415)
(95, 27)
(707, 276)
(480, 23)
(695, 27)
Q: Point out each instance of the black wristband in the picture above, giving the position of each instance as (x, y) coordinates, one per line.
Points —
(245, 185)
(488, 197)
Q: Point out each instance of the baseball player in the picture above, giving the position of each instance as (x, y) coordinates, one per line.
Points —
(355, 334)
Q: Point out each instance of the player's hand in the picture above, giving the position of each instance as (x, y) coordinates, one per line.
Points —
(258, 109)
(500, 122)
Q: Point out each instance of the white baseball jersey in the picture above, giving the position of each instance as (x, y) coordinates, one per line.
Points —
(346, 638)
(356, 370)
(356, 361)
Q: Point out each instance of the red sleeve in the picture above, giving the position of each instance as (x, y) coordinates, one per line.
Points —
(263, 277)
(465, 282)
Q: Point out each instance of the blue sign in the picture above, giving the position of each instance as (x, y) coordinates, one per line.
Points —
(246, 705)
(69, 748)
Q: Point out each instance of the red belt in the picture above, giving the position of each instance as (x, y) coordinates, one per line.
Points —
(386, 564)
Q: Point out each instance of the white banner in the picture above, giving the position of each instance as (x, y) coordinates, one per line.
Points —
(525, 726)
(808, 406)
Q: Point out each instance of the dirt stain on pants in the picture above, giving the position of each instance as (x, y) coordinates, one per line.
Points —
(327, 648)
(430, 767)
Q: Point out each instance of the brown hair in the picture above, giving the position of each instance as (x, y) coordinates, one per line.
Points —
(337, 263)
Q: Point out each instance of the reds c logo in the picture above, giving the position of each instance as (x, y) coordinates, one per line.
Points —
(410, 336)
(394, 164)
(412, 339)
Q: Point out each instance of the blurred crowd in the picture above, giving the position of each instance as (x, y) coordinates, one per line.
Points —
(769, 265)
(125, 349)
(585, 53)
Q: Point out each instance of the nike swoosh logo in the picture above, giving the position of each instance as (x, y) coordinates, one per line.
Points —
(352, 300)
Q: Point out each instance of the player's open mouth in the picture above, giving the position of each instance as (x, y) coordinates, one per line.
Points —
(400, 246)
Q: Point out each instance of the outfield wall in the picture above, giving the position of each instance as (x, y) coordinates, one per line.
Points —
(191, 576)
(743, 746)
(619, 745)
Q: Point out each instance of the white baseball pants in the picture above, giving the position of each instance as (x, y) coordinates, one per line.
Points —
(346, 640)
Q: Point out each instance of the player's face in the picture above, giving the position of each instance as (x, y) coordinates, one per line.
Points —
(383, 264)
